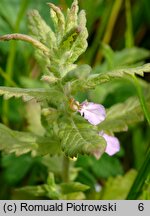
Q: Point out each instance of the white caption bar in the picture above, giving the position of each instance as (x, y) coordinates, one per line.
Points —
(73, 207)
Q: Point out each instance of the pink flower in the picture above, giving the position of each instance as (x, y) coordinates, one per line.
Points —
(94, 113)
(113, 144)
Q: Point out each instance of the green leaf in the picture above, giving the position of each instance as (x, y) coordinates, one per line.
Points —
(80, 72)
(117, 188)
(73, 196)
(55, 191)
(97, 79)
(72, 187)
(48, 66)
(35, 191)
(119, 116)
(48, 145)
(80, 44)
(72, 42)
(109, 55)
(49, 116)
(121, 58)
(23, 142)
(50, 190)
(53, 163)
(71, 39)
(58, 20)
(57, 51)
(40, 30)
(68, 40)
(87, 177)
(81, 138)
(14, 141)
(51, 187)
(15, 168)
(146, 188)
(71, 34)
(105, 167)
(72, 16)
(130, 56)
(40, 94)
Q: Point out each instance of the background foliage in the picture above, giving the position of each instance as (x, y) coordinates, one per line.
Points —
(118, 40)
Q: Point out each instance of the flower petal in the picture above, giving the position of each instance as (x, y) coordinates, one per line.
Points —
(113, 144)
(94, 113)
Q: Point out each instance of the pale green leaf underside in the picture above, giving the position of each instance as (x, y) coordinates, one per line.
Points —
(81, 139)
(39, 94)
(96, 79)
(23, 142)
(119, 116)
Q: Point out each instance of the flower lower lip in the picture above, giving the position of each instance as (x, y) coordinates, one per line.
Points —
(94, 113)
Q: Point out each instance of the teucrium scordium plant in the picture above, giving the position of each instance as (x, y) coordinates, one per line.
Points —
(69, 127)
(58, 50)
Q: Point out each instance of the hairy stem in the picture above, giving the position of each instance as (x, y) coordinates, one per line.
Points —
(26, 38)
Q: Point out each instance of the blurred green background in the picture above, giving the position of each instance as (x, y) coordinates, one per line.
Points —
(118, 36)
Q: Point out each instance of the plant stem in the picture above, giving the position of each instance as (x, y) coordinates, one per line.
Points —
(65, 173)
(129, 40)
(11, 57)
(142, 99)
(110, 26)
(7, 78)
(140, 179)
(97, 39)
(112, 21)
